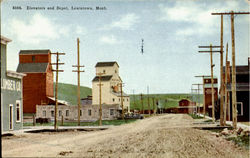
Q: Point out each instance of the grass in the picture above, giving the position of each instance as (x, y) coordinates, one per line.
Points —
(164, 100)
(96, 123)
(242, 141)
(68, 92)
(194, 116)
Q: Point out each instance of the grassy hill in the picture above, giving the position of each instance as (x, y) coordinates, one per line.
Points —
(165, 100)
(68, 92)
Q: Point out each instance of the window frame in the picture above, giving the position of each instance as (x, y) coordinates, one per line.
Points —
(18, 102)
(242, 108)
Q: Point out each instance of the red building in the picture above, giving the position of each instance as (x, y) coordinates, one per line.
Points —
(184, 102)
(208, 93)
(38, 82)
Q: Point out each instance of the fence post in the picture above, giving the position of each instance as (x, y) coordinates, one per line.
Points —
(62, 121)
(34, 120)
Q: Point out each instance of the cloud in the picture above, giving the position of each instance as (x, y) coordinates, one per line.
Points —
(196, 16)
(125, 23)
(111, 39)
(81, 30)
(36, 30)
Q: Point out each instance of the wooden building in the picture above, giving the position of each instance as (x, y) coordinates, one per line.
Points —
(11, 94)
(242, 91)
(208, 94)
(111, 89)
(38, 82)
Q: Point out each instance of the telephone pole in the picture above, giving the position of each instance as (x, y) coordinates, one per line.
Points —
(225, 89)
(212, 73)
(78, 79)
(198, 84)
(121, 84)
(194, 91)
(153, 99)
(149, 112)
(56, 91)
(234, 98)
(142, 103)
(100, 97)
(204, 106)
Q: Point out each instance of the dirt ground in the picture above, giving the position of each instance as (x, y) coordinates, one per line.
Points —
(169, 135)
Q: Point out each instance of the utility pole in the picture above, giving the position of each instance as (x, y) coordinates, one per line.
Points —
(212, 73)
(194, 91)
(234, 100)
(149, 112)
(121, 84)
(204, 106)
(198, 84)
(78, 79)
(153, 99)
(134, 97)
(56, 91)
(100, 97)
(142, 103)
(225, 88)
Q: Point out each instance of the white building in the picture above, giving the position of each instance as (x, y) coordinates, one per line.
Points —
(110, 89)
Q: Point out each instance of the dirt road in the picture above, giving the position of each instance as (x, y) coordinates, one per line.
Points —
(168, 135)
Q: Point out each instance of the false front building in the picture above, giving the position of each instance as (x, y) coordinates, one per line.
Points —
(11, 94)
(111, 91)
(38, 82)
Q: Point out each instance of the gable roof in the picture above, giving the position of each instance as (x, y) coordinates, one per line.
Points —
(106, 64)
(28, 52)
(32, 67)
(103, 78)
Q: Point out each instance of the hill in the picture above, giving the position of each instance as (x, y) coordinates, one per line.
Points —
(164, 100)
(68, 92)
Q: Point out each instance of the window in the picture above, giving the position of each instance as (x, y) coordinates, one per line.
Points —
(127, 99)
(89, 112)
(115, 71)
(80, 112)
(18, 112)
(119, 99)
(67, 112)
(52, 113)
(104, 71)
(33, 58)
(113, 99)
(60, 112)
(44, 113)
(239, 108)
(111, 112)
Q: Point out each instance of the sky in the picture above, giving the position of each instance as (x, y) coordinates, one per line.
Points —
(172, 31)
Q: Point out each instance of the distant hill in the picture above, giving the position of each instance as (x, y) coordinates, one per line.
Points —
(68, 92)
(166, 100)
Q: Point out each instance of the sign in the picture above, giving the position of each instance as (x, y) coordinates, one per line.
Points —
(11, 85)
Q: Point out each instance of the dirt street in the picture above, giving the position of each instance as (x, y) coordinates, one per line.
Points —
(169, 135)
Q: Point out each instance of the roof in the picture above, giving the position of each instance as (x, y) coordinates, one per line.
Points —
(103, 78)
(5, 40)
(242, 69)
(15, 74)
(106, 64)
(32, 67)
(118, 94)
(28, 52)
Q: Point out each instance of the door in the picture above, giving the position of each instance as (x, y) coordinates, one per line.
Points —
(11, 116)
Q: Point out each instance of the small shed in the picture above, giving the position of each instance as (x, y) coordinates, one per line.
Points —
(184, 102)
